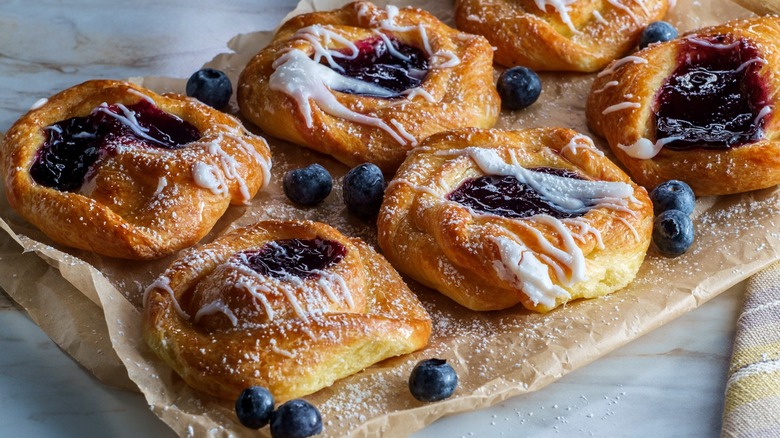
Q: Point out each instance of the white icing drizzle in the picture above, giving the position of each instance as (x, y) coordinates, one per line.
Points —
(630, 227)
(620, 62)
(584, 228)
(761, 114)
(413, 186)
(562, 7)
(314, 33)
(625, 9)
(128, 119)
(235, 134)
(749, 62)
(142, 96)
(599, 17)
(520, 266)
(569, 194)
(301, 78)
(216, 307)
(278, 350)
(164, 283)
(327, 278)
(258, 291)
(296, 305)
(570, 255)
(390, 47)
(642, 5)
(54, 128)
(620, 106)
(304, 78)
(209, 177)
(645, 149)
(389, 22)
(444, 59)
(418, 91)
(403, 133)
(39, 103)
(162, 183)
(229, 167)
(606, 86)
(580, 141)
(717, 46)
(259, 286)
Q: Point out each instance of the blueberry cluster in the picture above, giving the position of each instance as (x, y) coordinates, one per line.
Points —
(673, 203)
(363, 187)
(293, 419)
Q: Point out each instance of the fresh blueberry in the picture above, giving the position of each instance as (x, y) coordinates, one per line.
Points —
(672, 233)
(296, 419)
(657, 32)
(673, 195)
(432, 380)
(254, 406)
(518, 87)
(211, 87)
(363, 189)
(308, 185)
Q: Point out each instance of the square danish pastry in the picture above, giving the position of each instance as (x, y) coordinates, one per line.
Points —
(366, 84)
(494, 218)
(119, 170)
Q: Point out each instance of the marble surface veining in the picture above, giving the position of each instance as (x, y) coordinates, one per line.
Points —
(667, 383)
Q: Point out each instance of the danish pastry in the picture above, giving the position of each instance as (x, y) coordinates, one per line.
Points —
(700, 108)
(493, 218)
(113, 168)
(291, 306)
(570, 35)
(365, 84)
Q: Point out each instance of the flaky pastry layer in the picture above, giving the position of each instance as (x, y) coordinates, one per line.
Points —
(138, 202)
(224, 327)
(485, 261)
(580, 35)
(457, 91)
(621, 109)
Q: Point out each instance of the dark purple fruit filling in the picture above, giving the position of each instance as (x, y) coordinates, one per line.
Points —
(714, 99)
(73, 146)
(295, 257)
(506, 196)
(400, 69)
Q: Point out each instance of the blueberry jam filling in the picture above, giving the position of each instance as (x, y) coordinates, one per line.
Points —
(715, 98)
(295, 257)
(72, 146)
(397, 69)
(506, 196)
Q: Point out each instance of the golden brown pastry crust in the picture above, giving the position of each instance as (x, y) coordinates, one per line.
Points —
(467, 256)
(540, 39)
(292, 351)
(708, 172)
(463, 94)
(139, 203)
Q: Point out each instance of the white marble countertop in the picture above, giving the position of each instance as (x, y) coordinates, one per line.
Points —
(667, 383)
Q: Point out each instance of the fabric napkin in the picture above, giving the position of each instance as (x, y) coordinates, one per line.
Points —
(752, 407)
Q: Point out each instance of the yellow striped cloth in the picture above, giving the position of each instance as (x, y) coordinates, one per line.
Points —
(752, 407)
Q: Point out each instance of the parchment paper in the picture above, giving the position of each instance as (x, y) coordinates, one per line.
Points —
(90, 305)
